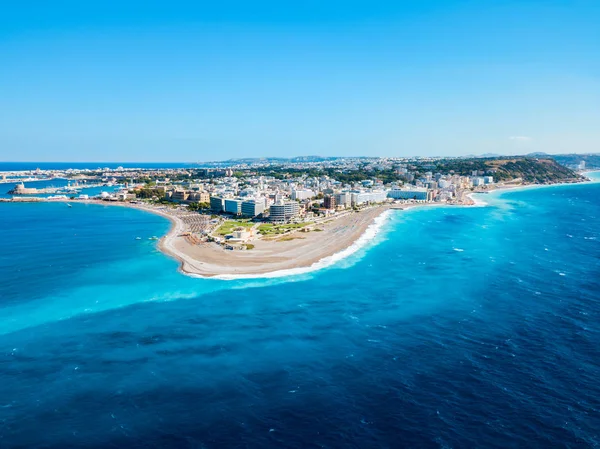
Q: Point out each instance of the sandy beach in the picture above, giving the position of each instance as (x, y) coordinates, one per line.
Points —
(270, 255)
(299, 250)
(329, 240)
(293, 252)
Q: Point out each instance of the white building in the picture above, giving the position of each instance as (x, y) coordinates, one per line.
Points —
(240, 236)
(370, 196)
(343, 199)
(408, 194)
(303, 194)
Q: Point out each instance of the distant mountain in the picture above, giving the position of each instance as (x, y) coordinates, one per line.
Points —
(272, 160)
(485, 155)
(571, 160)
(538, 154)
(491, 155)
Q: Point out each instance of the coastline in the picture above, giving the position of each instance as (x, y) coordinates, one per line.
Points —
(512, 188)
(363, 238)
(301, 253)
(298, 252)
(304, 253)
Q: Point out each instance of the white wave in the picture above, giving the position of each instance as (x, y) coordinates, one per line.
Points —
(477, 200)
(370, 233)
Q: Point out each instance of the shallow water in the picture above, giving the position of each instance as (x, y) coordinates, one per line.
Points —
(455, 327)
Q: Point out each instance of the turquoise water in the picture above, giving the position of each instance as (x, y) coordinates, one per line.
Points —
(455, 327)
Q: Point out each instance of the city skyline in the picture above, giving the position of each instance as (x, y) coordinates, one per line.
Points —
(204, 82)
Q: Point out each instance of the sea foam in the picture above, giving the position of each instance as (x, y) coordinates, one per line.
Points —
(367, 237)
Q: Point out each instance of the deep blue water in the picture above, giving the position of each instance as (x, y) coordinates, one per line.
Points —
(23, 166)
(456, 327)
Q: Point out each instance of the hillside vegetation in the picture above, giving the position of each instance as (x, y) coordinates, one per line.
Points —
(529, 170)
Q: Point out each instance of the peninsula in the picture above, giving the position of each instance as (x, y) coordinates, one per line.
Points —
(296, 247)
(257, 218)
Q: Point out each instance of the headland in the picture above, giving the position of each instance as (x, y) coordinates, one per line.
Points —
(292, 222)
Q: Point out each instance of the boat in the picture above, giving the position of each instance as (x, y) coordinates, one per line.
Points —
(138, 238)
(68, 205)
(153, 238)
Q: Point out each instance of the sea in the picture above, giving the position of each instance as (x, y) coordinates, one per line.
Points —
(451, 327)
(28, 166)
(57, 183)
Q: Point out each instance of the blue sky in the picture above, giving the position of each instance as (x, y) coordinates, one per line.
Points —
(198, 81)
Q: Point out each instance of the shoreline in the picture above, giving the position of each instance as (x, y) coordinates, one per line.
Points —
(299, 257)
(367, 236)
(500, 189)
(303, 253)
(298, 252)
(292, 257)
(512, 188)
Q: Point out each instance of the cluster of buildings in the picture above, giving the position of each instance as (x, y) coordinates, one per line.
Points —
(289, 198)
(280, 211)
(284, 200)
(286, 191)
(238, 207)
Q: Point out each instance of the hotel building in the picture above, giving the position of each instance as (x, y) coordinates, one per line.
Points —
(179, 195)
(408, 194)
(233, 206)
(329, 202)
(343, 199)
(360, 197)
(301, 195)
(253, 208)
(199, 197)
(284, 211)
(217, 204)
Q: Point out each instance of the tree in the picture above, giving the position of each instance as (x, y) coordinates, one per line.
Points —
(147, 193)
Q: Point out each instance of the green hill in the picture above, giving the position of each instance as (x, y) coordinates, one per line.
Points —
(529, 170)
